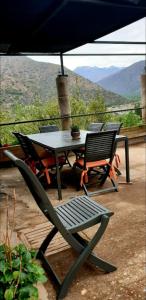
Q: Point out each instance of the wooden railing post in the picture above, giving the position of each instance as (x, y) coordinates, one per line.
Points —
(63, 100)
(143, 96)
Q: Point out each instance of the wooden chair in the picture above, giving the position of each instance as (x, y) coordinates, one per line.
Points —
(112, 126)
(69, 219)
(52, 128)
(117, 127)
(97, 160)
(95, 127)
(48, 128)
(38, 165)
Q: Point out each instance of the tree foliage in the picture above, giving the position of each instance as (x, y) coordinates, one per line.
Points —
(78, 107)
(130, 119)
(50, 109)
(96, 106)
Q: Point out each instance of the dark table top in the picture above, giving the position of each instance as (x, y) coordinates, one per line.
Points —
(61, 140)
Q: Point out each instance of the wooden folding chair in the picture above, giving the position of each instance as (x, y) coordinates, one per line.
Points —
(95, 127)
(69, 219)
(52, 128)
(98, 158)
(39, 166)
(48, 128)
(112, 126)
(117, 127)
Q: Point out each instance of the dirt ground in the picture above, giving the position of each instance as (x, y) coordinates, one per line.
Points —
(123, 243)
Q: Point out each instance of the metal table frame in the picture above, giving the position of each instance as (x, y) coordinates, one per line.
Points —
(123, 138)
(60, 141)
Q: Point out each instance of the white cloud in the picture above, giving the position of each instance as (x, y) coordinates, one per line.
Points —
(133, 32)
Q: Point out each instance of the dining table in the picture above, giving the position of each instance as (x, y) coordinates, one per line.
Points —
(60, 141)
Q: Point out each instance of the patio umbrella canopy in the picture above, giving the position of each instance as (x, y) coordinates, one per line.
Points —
(57, 26)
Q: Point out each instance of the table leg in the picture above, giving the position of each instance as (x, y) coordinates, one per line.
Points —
(127, 160)
(58, 177)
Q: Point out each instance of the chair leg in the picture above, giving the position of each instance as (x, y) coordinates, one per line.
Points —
(102, 181)
(102, 264)
(117, 171)
(66, 157)
(40, 255)
(84, 248)
(105, 175)
(100, 191)
(98, 262)
(114, 184)
(85, 190)
(47, 241)
(85, 253)
(50, 271)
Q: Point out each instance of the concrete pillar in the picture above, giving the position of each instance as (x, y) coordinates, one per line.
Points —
(63, 100)
(143, 96)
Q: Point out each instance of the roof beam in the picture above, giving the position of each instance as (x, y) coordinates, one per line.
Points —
(118, 42)
(130, 4)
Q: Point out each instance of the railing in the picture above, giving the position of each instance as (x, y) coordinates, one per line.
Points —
(72, 116)
(82, 120)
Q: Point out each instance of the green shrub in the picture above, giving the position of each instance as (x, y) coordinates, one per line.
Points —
(19, 272)
(130, 119)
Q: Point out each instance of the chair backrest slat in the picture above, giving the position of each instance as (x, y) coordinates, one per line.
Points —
(100, 145)
(48, 128)
(95, 127)
(112, 126)
(27, 146)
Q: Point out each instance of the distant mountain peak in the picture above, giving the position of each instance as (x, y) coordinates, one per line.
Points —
(95, 73)
(126, 82)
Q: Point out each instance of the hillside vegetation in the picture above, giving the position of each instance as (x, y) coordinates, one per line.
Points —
(50, 110)
(23, 80)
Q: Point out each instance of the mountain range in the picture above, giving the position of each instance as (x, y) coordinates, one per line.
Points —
(122, 81)
(24, 79)
(96, 74)
(125, 82)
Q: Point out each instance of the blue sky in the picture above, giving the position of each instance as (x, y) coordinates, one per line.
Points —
(133, 32)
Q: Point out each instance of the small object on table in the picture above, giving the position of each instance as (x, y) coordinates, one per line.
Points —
(75, 132)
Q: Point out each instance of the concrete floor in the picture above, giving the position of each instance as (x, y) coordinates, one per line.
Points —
(123, 243)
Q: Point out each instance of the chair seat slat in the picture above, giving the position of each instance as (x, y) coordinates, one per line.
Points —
(91, 209)
(82, 206)
(73, 213)
(72, 210)
(81, 201)
(79, 208)
(65, 219)
(67, 216)
(94, 204)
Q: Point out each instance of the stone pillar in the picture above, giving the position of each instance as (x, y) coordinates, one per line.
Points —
(63, 100)
(143, 96)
